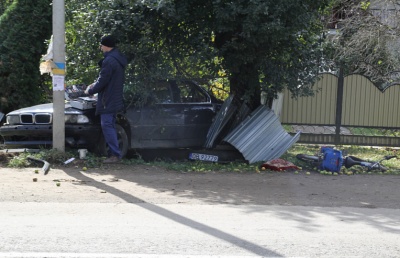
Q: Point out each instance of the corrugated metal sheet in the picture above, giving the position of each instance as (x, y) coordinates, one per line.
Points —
(261, 137)
(223, 116)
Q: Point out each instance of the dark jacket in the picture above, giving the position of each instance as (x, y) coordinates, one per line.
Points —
(110, 83)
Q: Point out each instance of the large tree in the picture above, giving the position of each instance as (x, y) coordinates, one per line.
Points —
(259, 44)
(24, 28)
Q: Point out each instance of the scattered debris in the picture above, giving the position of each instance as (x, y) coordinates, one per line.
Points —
(19, 150)
(69, 161)
(261, 136)
(279, 165)
(46, 165)
(82, 153)
(110, 180)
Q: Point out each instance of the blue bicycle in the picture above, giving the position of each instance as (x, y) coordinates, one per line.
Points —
(333, 160)
(369, 165)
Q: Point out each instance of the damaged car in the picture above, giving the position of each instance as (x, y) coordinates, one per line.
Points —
(181, 120)
(178, 116)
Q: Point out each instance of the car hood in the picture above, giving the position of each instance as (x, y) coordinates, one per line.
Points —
(42, 108)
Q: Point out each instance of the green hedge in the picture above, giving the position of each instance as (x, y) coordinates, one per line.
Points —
(24, 29)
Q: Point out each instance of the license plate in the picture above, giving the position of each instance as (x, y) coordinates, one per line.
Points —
(203, 157)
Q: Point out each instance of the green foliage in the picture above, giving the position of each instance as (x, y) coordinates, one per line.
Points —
(258, 44)
(19, 161)
(83, 36)
(21, 47)
(362, 152)
(268, 44)
(52, 156)
(4, 4)
(143, 36)
(365, 131)
(365, 5)
(206, 167)
(373, 131)
(56, 158)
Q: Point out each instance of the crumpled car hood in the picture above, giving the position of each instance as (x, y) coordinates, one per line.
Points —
(45, 108)
(42, 108)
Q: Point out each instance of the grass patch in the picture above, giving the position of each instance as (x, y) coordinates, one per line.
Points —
(364, 131)
(374, 131)
(53, 156)
(56, 158)
(199, 166)
(362, 152)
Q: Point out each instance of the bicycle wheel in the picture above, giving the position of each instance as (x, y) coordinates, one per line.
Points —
(308, 158)
(378, 167)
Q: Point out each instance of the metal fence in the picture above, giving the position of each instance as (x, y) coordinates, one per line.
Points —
(345, 110)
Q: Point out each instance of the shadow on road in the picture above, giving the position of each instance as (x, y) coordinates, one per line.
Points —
(322, 193)
(242, 243)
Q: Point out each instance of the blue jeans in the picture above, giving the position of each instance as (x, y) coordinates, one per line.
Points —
(110, 134)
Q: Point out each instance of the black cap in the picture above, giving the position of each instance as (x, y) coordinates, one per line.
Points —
(108, 41)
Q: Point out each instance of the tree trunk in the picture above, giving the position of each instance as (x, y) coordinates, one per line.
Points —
(245, 85)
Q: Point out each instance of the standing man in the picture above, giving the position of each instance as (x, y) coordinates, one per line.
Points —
(109, 86)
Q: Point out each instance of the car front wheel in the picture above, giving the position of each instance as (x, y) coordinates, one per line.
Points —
(102, 147)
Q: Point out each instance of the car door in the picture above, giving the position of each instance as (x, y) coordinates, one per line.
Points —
(179, 117)
(195, 104)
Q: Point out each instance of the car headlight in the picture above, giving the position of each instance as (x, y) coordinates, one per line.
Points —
(76, 119)
(12, 120)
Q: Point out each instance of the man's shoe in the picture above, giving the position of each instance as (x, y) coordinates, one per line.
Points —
(112, 159)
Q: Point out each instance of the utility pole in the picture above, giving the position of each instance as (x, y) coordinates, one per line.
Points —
(58, 75)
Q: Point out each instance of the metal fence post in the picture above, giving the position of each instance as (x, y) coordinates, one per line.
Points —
(339, 106)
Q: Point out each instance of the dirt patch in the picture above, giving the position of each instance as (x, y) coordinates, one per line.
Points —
(151, 184)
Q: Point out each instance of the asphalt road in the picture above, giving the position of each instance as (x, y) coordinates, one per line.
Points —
(152, 212)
